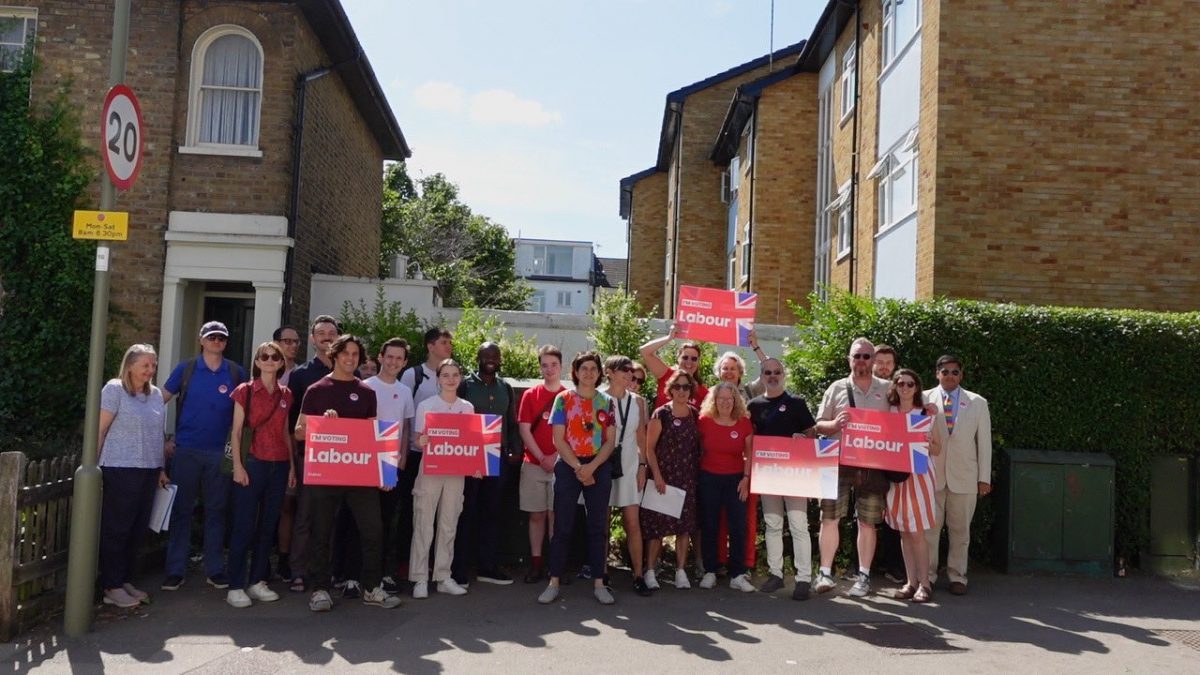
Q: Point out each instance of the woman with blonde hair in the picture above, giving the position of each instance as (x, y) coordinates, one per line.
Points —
(132, 455)
(726, 436)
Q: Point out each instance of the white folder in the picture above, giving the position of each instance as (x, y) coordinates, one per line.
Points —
(670, 503)
(160, 513)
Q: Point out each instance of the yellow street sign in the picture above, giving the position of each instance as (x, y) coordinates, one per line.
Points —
(109, 225)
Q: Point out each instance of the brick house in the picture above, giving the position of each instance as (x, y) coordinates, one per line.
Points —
(1034, 153)
(693, 219)
(265, 135)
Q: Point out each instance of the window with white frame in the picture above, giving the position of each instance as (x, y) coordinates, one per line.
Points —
(564, 299)
(537, 301)
(845, 219)
(849, 79)
(18, 25)
(225, 98)
(901, 23)
(552, 261)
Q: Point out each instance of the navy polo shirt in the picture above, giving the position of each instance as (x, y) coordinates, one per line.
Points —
(204, 421)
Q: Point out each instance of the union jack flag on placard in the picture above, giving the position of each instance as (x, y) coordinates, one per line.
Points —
(492, 425)
(919, 424)
(715, 315)
(828, 447)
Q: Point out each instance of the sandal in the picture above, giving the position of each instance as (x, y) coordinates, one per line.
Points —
(905, 592)
(297, 585)
(923, 594)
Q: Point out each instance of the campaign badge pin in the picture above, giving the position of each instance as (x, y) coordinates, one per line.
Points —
(283, 404)
(782, 408)
(223, 389)
(733, 434)
(545, 415)
(353, 397)
(678, 423)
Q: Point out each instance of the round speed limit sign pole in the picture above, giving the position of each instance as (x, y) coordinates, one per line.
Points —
(122, 150)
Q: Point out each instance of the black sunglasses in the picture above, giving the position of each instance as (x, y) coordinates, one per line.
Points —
(769, 373)
(950, 371)
(270, 357)
(863, 357)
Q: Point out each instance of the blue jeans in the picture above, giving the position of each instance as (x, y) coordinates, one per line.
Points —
(595, 499)
(255, 519)
(717, 491)
(197, 473)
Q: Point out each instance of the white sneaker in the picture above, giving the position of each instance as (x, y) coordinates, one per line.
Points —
(741, 583)
(651, 580)
(824, 584)
(381, 598)
(861, 587)
(238, 598)
(709, 580)
(262, 593)
(420, 590)
(450, 587)
(681, 579)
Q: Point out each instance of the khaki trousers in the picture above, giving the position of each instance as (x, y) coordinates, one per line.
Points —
(440, 497)
(955, 511)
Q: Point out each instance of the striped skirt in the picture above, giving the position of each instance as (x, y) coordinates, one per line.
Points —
(910, 505)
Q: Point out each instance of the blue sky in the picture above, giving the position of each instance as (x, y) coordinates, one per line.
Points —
(537, 108)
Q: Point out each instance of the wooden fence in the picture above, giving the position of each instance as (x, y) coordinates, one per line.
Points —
(35, 516)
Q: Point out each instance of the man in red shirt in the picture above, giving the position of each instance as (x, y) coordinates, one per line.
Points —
(537, 471)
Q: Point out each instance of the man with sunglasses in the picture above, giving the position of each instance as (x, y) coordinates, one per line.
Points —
(288, 338)
(861, 389)
(963, 469)
(203, 419)
(778, 413)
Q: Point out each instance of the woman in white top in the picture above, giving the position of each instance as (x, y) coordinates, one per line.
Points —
(631, 439)
(436, 495)
(132, 433)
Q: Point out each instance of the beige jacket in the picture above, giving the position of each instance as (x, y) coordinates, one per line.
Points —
(966, 457)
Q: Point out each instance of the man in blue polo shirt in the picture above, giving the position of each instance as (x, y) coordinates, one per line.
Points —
(202, 422)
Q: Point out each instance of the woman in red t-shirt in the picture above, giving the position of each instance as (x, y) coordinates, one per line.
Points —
(724, 483)
(262, 477)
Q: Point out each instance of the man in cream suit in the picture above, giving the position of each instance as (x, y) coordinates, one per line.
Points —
(963, 469)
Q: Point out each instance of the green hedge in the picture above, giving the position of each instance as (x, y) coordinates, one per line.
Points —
(1122, 382)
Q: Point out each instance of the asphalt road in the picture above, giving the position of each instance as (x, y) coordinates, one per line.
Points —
(1007, 623)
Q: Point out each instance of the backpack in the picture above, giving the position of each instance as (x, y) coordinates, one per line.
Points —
(418, 378)
(235, 373)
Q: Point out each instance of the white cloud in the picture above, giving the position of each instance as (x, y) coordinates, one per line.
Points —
(498, 106)
(440, 96)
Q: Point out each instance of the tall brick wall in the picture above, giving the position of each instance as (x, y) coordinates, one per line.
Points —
(784, 193)
(341, 189)
(702, 218)
(928, 147)
(648, 240)
(73, 48)
(1068, 158)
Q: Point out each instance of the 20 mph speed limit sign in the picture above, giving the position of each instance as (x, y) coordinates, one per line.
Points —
(121, 124)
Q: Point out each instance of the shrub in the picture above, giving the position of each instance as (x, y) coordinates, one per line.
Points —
(1068, 379)
(477, 326)
(383, 321)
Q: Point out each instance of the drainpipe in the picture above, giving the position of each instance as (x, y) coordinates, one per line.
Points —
(854, 150)
(753, 173)
(302, 81)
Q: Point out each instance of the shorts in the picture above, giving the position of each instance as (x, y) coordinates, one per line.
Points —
(867, 507)
(536, 492)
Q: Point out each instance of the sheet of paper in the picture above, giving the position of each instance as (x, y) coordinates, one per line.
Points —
(670, 503)
(160, 513)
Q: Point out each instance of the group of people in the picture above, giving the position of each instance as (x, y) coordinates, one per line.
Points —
(238, 446)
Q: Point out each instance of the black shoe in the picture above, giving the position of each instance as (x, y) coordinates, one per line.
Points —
(585, 572)
(533, 576)
(390, 586)
(493, 577)
(640, 587)
(219, 581)
(172, 583)
(351, 590)
(284, 571)
(801, 591)
(772, 584)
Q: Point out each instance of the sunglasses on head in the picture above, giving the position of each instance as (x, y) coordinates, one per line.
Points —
(906, 384)
(271, 356)
(950, 371)
(862, 357)
(769, 373)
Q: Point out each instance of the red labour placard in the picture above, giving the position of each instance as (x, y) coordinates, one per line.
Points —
(886, 440)
(462, 445)
(794, 467)
(342, 451)
(714, 315)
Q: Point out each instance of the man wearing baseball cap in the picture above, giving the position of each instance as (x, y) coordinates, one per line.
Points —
(203, 418)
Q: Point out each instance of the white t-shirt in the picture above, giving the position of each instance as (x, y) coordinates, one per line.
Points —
(429, 385)
(438, 405)
(394, 402)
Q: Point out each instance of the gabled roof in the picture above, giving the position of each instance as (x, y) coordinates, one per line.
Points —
(816, 49)
(329, 21)
(627, 184)
(745, 98)
(675, 99)
(615, 271)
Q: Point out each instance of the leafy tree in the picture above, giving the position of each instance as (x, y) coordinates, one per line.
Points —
(383, 321)
(471, 257)
(45, 275)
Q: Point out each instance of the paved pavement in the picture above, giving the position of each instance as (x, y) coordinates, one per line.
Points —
(1026, 624)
